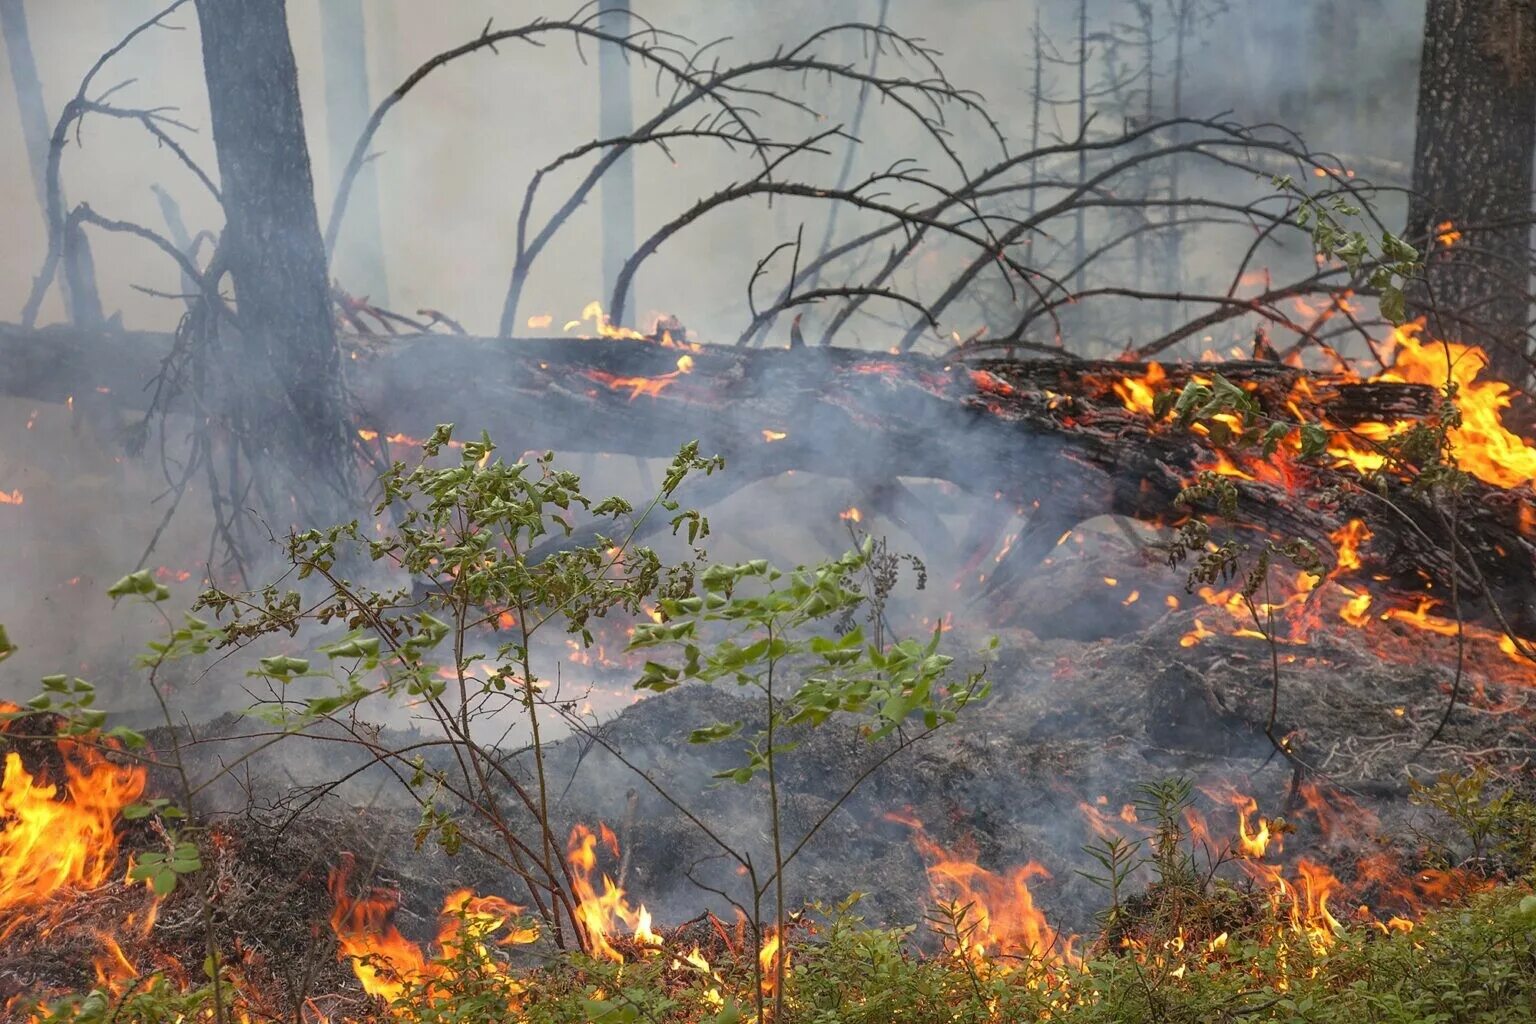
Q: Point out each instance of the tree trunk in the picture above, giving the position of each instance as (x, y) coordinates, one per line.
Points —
(79, 284)
(359, 256)
(285, 385)
(616, 119)
(1472, 164)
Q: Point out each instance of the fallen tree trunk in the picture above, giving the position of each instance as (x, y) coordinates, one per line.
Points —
(1047, 436)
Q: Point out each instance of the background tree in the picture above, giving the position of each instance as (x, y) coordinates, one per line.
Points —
(80, 295)
(360, 262)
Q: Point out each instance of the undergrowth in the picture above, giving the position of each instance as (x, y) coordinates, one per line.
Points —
(1177, 943)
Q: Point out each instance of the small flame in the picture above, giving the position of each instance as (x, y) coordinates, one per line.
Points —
(851, 514)
(771, 436)
(1138, 393)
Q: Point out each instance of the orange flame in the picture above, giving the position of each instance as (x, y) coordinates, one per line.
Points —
(390, 966)
(58, 838)
(1000, 916)
(601, 913)
(1484, 446)
(1138, 392)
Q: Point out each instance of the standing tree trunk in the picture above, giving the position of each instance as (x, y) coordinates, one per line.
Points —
(285, 378)
(1472, 162)
(616, 119)
(359, 259)
(79, 283)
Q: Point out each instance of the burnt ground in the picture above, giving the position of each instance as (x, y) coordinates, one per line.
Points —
(1069, 722)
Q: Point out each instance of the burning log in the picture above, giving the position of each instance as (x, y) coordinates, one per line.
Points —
(1066, 440)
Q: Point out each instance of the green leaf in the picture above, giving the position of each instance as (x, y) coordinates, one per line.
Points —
(1393, 304)
(140, 582)
(715, 733)
(6, 647)
(283, 668)
(1314, 440)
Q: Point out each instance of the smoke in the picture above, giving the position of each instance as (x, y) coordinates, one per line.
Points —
(451, 165)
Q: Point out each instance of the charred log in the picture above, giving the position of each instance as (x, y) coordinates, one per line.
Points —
(1047, 435)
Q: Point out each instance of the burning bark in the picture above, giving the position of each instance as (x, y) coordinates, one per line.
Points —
(1063, 440)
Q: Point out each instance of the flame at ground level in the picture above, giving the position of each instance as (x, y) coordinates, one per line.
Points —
(59, 837)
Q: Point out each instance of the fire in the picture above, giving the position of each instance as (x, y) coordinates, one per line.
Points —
(390, 966)
(1001, 920)
(538, 323)
(1347, 540)
(1138, 392)
(58, 837)
(1484, 447)
(13, 498)
(601, 913)
(771, 436)
(851, 514)
(1447, 234)
(1356, 610)
(638, 386)
(1194, 636)
(385, 962)
(593, 313)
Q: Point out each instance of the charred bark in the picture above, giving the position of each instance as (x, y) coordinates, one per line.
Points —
(283, 379)
(1472, 169)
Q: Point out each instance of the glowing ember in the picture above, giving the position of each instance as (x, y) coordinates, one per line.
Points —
(1446, 234)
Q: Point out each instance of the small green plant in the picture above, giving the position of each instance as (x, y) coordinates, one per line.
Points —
(1498, 826)
(1386, 266)
(766, 630)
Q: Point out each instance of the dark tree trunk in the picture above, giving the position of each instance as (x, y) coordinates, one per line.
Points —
(1472, 162)
(286, 386)
(80, 296)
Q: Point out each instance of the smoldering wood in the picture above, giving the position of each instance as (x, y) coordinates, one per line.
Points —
(1047, 431)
